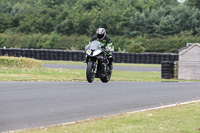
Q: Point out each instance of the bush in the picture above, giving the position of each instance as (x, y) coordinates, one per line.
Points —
(19, 62)
(44, 41)
(170, 44)
(139, 44)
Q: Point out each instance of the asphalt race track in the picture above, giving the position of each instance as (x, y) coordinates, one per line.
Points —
(118, 68)
(35, 104)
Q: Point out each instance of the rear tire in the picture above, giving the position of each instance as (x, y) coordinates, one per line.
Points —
(107, 77)
(90, 72)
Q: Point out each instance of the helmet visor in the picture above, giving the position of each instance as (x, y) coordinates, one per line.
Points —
(100, 36)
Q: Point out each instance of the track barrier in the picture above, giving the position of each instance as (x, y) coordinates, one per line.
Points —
(51, 54)
(167, 69)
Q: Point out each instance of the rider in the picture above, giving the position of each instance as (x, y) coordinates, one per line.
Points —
(103, 38)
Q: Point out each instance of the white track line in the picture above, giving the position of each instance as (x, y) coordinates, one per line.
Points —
(143, 110)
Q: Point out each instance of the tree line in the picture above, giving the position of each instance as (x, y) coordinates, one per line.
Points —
(134, 25)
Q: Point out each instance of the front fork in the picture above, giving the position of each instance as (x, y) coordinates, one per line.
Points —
(95, 66)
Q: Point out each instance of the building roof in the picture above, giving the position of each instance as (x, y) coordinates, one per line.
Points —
(185, 49)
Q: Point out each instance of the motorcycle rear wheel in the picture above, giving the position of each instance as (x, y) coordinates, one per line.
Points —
(106, 78)
(90, 72)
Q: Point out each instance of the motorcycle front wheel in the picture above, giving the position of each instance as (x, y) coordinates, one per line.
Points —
(90, 72)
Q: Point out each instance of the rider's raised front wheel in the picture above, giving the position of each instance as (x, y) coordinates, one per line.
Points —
(90, 72)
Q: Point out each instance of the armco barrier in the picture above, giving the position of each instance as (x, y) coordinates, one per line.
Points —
(51, 54)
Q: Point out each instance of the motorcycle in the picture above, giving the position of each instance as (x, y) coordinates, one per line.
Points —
(97, 63)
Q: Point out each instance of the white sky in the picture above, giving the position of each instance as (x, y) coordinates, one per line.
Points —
(181, 1)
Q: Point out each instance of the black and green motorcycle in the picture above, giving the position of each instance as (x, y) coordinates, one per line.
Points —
(98, 65)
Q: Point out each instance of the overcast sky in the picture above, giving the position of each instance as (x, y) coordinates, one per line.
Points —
(181, 1)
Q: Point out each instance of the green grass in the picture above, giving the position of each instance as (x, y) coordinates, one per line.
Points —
(115, 64)
(41, 74)
(178, 119)
(63, 62)
(55, 74)
(19, 62)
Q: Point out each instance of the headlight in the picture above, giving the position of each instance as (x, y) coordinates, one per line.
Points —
(88, 52)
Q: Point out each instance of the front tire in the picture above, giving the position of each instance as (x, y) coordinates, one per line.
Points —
(90, 72)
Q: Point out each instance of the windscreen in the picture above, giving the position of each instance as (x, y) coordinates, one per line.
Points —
(95, 45)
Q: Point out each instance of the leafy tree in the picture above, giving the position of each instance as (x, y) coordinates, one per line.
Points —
(65, 27)
(155, 4)
(5, 22)
(152, 19)
(195, 18)
(167, 2)
(167, 26)
(182, 15)
(5, 7)
(40, 21)
(135, 47)
(132, 24)
(193, 3)
(52, 3)
(137, 24)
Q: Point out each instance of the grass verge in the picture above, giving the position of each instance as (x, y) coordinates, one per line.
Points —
(178, 119)
(54, 74)
(115, 64)
(19, 62)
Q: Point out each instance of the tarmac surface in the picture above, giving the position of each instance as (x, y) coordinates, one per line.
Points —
(36, 104)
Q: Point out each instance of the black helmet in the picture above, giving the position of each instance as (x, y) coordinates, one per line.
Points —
(101, 33)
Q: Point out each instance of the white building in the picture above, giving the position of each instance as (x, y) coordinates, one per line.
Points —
(189, 62)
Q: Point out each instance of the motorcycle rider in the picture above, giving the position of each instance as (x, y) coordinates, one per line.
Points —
(104, 39)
